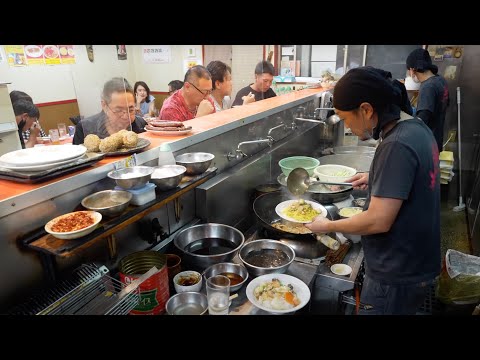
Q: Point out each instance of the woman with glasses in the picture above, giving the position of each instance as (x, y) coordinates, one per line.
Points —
(193, 99)
(118, 113)
(145, 103)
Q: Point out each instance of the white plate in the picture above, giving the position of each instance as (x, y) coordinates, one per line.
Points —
(42, 155)
(300, 288)
(42, 167)
(77, 233)
(168, 133)
(341, 269)
(33, 51)
(280, 207)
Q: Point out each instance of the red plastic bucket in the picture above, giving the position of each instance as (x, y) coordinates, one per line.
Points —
(154, 291)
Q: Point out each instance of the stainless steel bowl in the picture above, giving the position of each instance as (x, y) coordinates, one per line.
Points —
(207, 244)
(230, 270)
(196, 163)
(262, 246)
(108, 202)
(132, 177)
(187, 303)
(167, 177)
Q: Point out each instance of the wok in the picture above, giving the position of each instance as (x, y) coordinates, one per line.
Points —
(320, 194)
(305, 245)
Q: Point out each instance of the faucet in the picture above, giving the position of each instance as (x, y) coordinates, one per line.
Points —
(238, 154)
(316, 113)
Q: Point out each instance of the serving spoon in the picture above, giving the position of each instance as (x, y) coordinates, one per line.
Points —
(298, 181)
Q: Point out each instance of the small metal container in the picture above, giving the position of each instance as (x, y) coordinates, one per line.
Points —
(132, 177)
(108, 202)
(167, 177)
(196, 163)
(230, 270)
(187, 303)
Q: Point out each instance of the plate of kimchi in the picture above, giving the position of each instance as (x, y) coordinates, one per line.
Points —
(73, 225)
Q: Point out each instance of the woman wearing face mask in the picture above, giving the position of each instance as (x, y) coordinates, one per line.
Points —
(26, 115)
(400, 224)
(433, 97)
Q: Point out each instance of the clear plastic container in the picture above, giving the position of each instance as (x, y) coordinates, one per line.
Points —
(165, 155)
(141, 196)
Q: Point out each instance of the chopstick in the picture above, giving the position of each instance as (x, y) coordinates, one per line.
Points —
(233, 296)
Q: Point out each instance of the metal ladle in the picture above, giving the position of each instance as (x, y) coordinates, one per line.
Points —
(298, 181)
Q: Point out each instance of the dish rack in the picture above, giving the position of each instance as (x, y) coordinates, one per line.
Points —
(90, 291)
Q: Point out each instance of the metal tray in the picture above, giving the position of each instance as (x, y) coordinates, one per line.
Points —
(33, 177)
(141, 144)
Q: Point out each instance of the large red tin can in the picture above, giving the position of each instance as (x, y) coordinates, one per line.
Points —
(154, 291)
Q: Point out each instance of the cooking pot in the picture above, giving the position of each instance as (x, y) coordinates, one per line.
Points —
(207, 244)
(320, 194)
(304, 245)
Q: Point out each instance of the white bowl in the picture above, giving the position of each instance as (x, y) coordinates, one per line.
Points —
(283, 205)
(328, 172)
(70, 235)
(300, 288)
(341, 269)
(186, 275)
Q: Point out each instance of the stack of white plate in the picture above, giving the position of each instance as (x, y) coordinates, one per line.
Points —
(42, 158)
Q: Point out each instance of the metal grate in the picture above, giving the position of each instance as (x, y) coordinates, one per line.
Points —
(430, 305)
(88, 292)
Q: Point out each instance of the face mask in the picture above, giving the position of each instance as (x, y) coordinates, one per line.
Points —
(415, 79)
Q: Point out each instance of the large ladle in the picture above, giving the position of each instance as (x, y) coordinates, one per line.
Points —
(298, 181)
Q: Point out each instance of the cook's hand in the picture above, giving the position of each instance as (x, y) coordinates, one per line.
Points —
(247, 99)
(359, 181)
(318, 225)
(204, 108)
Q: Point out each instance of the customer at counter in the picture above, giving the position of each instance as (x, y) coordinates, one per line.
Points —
(222, 85)
(17, 95)
(173, 86)
(118, 113)
(26, 115)
(260, 89)
(193, 99)
(433, 97)
(145, 103)
(400, 223)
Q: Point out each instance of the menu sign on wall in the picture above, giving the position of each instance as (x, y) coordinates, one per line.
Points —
(15, 55)
(156, 54)
(34, 54)
(23, 55)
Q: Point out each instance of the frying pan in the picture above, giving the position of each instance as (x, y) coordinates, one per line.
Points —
(305, 245)
(317, 192)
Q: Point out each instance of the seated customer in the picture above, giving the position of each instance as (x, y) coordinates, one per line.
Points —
(261, 87)
(17, 95)
(145, 103)
(222, 85)
(118, 113)
(26, 115)
(174, 85)
(193, 99)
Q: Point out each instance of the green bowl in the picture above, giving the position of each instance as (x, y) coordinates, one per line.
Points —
(293, 162)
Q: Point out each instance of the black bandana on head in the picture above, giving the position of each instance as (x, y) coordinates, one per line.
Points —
(419, 59)
(366, 84)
